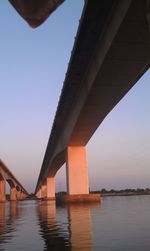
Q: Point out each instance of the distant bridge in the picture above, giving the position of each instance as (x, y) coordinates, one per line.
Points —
(111, 52)
(17, 191)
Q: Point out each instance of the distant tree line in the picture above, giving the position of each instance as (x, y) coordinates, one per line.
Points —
(114, 191)
(127, 190)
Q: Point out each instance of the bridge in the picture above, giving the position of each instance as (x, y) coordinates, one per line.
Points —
(110, 53)
(17, 191)
(35, 12)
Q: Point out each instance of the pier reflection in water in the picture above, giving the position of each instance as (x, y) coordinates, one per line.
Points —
(2, 221)
(19, 227)
(69, 229)
(119, 223)
(9, 213)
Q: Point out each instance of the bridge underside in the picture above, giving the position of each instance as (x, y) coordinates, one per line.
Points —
(111, 52)
(35, 12)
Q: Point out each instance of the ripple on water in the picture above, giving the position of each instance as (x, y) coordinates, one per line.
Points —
(118, 223)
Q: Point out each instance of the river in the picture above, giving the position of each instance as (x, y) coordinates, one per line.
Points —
(115, 224)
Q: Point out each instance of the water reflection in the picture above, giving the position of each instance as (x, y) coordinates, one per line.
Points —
(80, 227)
(51, 231)
(69, 229)
(2, 219)
(9, 212)
(121, 223)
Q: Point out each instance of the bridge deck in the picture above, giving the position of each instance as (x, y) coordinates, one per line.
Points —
(111, 52)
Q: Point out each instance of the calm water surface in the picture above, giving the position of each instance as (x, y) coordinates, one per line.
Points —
(117, 224)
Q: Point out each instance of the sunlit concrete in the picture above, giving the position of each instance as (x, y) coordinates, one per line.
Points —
(13, 193)
(44, 191)
(18, 195)
(38, 194)
(17, 191)
(78, 198)
(77, 171)
(50, 186)
(2, 189)
(111, 52)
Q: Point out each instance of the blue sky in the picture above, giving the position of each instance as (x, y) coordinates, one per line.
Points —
(33, 63)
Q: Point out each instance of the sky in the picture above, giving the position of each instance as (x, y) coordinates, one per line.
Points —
(33, 64)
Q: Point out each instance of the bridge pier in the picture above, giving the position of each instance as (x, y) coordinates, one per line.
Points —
(21, 196)
(77, 176)
(77, 180)
(13, 193)
(2, 189)
(43, 191)
(24, 196)
(50, 185)
(47, 190)
(77, 171)
(18, 195)
(38, 194)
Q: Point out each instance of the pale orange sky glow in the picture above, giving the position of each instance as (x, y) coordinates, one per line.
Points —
(33, 66)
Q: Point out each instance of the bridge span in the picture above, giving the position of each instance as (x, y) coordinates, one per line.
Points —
(111, 52)
(17, 191)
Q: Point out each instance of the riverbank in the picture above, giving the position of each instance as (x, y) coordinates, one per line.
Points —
(124, 194)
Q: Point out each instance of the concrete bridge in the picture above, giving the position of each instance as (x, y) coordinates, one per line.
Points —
(35, 12)
(111, 52)
(17, 191)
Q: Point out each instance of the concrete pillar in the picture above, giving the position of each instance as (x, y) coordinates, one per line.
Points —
(21, 195)
(77, 171)
(24, 196)
(50, 188)
(38, 194)
(2, 189)
(43, 191)
(18, 195)
(13, 193)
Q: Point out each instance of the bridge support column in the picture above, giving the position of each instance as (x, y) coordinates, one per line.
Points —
(38, 195)
(77, 177)
(2, 189)
(22, 196)
(50, 188)
(77, 171)
(18, 195)
(13, 194)
(43, 191)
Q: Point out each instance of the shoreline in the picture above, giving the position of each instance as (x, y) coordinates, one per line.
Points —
(124, 194)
